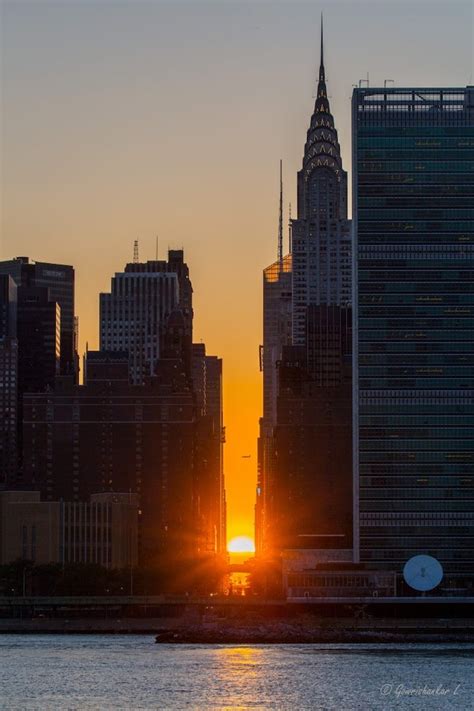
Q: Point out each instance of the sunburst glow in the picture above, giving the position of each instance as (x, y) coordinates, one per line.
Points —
(241, 544)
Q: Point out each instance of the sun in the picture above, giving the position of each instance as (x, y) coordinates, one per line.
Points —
(241, 544)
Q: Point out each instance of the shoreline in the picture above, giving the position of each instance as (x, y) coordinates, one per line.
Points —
(322, 631)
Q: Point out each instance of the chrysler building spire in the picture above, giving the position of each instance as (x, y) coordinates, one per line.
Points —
(322, 77)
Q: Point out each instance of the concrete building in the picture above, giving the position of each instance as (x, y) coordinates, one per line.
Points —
(102, 531)
(414, 347)
(309, 575)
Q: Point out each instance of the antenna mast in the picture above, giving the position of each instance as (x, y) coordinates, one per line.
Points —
(135, 252)
(280, 221)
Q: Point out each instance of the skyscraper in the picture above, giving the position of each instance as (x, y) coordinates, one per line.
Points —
(304, 497)
(321, 234)
(414, 347)
(39, 339)
(135, 313)
(277, 313)
(209, 460)
(58, 279)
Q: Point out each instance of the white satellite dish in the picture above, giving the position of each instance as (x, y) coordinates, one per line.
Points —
(423, 572)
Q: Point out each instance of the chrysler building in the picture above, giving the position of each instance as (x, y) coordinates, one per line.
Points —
(321, 233)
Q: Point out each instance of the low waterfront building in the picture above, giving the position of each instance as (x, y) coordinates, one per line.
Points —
(102, 531)
(309, 574)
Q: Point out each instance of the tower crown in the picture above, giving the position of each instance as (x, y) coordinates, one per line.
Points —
(322, 147)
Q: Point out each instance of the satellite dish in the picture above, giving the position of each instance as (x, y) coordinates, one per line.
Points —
(423, 572)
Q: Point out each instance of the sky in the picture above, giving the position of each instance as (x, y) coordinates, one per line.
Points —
(137, 120)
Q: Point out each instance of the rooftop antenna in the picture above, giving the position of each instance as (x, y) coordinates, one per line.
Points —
(135, 252)
(156, 247)
(290, 230)
(280, 221)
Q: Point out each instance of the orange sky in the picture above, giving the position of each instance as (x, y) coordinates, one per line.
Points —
(126, 120)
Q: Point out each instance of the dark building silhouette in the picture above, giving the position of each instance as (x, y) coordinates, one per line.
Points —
(143, 421)
(39, 339)
(8, 411)
(414, 346)
(8, 381)
(8, 306)
(207, 389)
(311, 506)
(111, 436)
(58, 279)
(30, 323)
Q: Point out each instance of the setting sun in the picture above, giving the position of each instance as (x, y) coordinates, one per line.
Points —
(241, 544)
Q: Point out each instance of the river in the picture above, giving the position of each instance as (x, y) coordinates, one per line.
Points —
(131, 672)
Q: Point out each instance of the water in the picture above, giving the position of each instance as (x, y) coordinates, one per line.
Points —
(131, 672)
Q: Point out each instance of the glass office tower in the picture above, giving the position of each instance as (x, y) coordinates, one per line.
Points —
(413, 159)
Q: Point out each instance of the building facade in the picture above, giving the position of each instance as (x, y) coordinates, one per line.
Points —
(209, 453)
(39, 340)
(8, 411)
(111, 436)
(8, 381)
(277, 333)
(413, 155)
(59, 280)
(102, 530)
(135, 313)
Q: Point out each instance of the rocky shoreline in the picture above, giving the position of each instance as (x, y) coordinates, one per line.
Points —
(293, 634)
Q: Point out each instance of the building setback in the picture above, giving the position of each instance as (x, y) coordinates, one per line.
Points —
(414, 319)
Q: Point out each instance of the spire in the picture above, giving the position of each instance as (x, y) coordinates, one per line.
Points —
(322, 73)
(321, 63)
(280, 222)
(322, 103)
